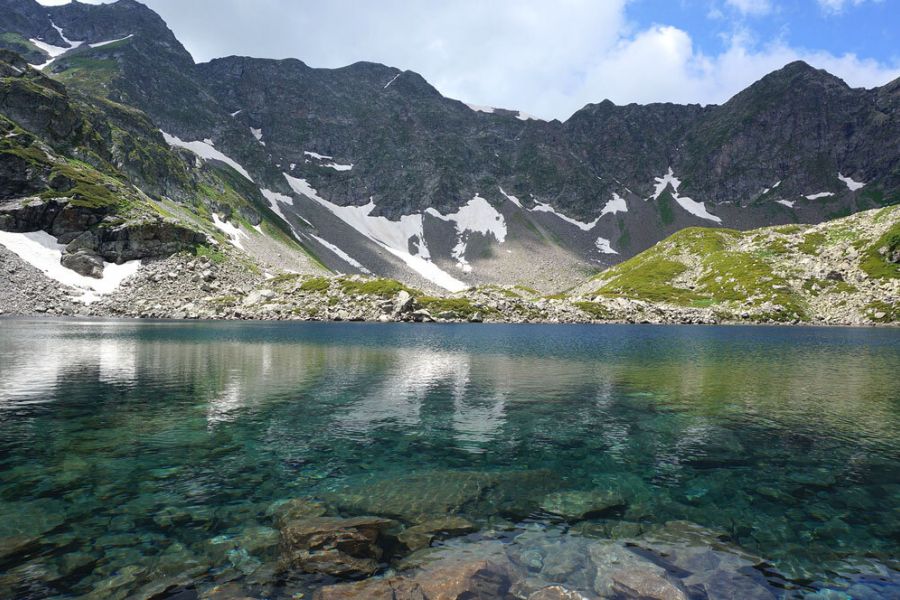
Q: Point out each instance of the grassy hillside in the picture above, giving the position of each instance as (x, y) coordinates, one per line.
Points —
(785, 273)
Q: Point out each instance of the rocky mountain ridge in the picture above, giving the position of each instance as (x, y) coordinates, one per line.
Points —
(369, 170)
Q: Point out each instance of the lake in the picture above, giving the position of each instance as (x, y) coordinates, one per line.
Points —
(158, 458)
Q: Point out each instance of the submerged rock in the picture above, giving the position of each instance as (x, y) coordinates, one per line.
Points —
(556, 592)
(335, 546)
(580, 505)
(641, 584)
(444, 580)
(284, 511)
(421, 535)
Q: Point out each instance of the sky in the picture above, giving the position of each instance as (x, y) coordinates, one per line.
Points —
(550, 58)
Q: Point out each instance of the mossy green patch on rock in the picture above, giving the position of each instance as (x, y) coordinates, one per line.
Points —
(596, 310)
(376, 287)
(646, 277)
(882, 259)
(315, 284)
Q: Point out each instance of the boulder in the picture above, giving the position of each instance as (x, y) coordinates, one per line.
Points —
(335, 546)
(403, 302)
(84, 263)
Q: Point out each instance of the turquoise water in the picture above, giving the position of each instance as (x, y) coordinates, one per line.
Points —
(135, 452)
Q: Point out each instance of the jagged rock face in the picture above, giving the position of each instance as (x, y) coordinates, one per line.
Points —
(775, 153)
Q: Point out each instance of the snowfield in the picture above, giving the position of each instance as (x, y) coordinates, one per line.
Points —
(43, 252)
(206, 151)
(698, 209)
(393, 236)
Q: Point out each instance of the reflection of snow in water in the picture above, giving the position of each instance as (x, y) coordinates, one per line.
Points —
(477, 421)
(117, 360)
(610, 428)
(34, 370)
(399, 399)
(223, 407)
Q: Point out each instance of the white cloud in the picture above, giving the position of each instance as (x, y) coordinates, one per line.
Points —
(837, 6)
(751, 7)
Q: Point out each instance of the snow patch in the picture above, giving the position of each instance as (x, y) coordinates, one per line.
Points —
(477, 216)
(394, 236)
(42, 251)
(480, 108)
(604, 246)
(233, 233)
(317, 156)
(542, 207)
(206, 151)
(237, 112)
(526, 117)
(788, 203)
(819, 195)
(50, 49)
(276, 200)
(346, 257)
(107, 43)
(512, 199)
(698, 209)
(257, 133)
(338, 167)
(851, 185)
(54, 51)
(616, 205)
(388, 84)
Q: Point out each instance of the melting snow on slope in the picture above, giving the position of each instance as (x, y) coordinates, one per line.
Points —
(604, 246)
(346, 257)
(480, 108)
(338, 167)
(388, 84)
(616, 205)
(851, 185)
(234, 234)
(54, 51)
(698, 209)
(206, 151)
(477, 216)
(512, 199)
(393, 236)
(541, 207)
(107, 43)
(257, 133)
(276, 200)
(788, 203)
(819, 195)
(526, 117)
(42, 251)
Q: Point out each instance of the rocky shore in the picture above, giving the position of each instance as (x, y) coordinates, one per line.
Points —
(843, 272)
(185, 286)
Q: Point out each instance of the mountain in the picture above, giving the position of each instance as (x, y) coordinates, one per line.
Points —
(370, 170)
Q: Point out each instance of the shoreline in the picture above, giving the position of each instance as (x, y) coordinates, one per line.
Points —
(75, 318)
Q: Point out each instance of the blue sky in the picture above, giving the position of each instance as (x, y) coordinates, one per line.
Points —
(867, 29)
(551, 58)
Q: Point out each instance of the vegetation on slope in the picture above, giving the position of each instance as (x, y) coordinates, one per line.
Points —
(786, 273)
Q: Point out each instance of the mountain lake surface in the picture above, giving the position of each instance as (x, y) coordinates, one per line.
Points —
(148, 459)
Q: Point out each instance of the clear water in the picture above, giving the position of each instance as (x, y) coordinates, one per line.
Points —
(129, 450)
